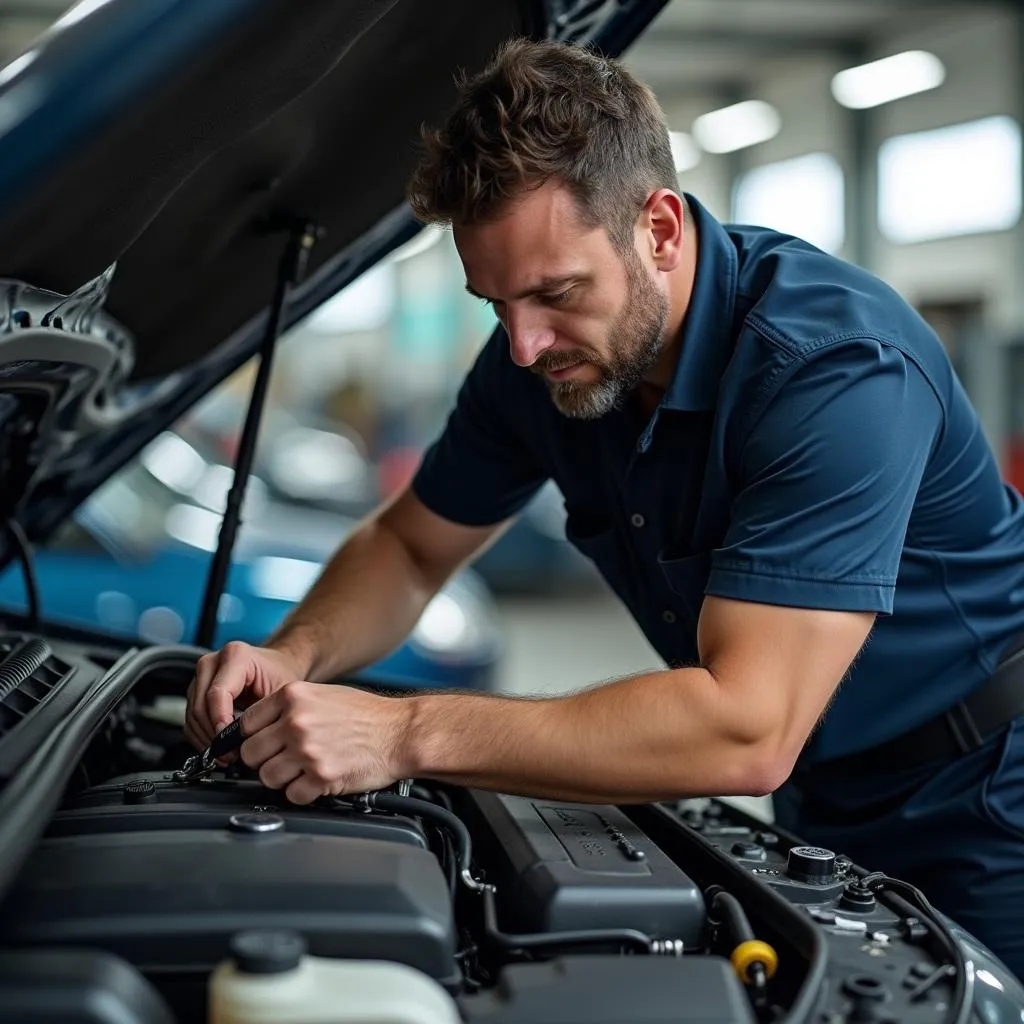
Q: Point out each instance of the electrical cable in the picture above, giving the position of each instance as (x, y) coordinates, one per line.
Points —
(962, 1002)
(753, 960)
(28, 571)
(386, 801)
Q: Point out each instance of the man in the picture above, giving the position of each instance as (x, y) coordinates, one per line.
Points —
(767, 454)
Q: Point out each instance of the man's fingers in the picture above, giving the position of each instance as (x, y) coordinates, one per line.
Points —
(264, 712)
(206, 668)
(280, 771)
(228, 683)
(265, 744)
(195, 731)
(303, 790)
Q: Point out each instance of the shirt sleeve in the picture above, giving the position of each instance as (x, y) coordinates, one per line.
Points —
(829, 475)
(482, 470)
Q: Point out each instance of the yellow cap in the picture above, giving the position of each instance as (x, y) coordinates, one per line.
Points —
(746, 954)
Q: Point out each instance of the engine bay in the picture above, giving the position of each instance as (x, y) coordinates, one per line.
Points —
(124, 888)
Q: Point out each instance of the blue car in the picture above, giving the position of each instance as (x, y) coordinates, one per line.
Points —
(133, 562)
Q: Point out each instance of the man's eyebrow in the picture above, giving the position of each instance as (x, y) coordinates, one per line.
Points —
(545, 284)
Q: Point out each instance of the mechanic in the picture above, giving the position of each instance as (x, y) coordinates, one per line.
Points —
(768, 456)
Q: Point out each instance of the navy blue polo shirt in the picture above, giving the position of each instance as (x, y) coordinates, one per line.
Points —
(814, 449)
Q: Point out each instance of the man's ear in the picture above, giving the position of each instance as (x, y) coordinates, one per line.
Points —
(664, 224)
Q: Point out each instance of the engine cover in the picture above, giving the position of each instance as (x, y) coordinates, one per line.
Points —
(567, 867)
(164, 875)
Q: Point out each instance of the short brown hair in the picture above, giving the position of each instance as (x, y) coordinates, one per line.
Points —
(540, 112)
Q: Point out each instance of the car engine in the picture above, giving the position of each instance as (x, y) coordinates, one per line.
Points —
(129, 895)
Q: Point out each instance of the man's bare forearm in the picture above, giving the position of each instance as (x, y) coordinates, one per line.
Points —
(364, 604)
(660, 736)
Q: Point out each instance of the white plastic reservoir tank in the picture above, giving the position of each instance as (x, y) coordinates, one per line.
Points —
(270, 979)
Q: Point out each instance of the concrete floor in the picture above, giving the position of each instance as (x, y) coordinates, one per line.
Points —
(560, 644)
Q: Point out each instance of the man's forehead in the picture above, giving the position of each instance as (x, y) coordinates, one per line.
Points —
(540, 244)
(548, 218)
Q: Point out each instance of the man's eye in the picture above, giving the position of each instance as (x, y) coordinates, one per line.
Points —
(561, 298)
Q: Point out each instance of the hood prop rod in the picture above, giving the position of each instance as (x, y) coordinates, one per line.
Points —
(290, 272)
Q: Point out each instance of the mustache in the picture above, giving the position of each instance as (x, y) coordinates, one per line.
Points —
(551, 362)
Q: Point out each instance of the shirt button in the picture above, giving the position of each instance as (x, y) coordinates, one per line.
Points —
(668, 616)
(637, 520)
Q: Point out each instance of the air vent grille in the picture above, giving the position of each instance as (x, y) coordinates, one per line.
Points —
(29, 671)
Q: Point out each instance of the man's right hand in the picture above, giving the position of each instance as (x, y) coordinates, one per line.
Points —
(235, 676)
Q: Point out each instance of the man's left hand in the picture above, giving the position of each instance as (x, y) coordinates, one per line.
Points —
(315, 739)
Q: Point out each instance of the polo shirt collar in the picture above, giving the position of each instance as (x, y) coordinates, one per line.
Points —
(708, 324)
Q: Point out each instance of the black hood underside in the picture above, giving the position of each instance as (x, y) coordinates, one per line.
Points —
(310, 108)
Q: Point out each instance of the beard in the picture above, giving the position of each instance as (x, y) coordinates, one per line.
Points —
(634, 345)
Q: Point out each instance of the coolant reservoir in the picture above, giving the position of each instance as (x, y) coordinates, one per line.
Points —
(271, 980)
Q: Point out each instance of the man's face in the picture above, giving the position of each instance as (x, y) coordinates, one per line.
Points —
(588, 320)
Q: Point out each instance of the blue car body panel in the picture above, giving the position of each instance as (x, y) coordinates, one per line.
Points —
(158, 600)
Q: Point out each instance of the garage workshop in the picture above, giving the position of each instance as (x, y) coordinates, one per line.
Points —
(511, 512)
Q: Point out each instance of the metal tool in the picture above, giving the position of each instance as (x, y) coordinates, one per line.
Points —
(199, 766)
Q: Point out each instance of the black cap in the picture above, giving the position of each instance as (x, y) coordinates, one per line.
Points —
(267, 952)
(811, 864)
(139, 791)
(857, 897)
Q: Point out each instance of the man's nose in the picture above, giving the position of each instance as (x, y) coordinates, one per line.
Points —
(529, 335)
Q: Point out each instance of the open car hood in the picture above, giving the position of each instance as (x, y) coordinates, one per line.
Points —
(149, 149)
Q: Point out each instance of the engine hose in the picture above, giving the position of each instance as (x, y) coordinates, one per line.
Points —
(386, 801)
(755, 962)
(962, 1002)
(19, 666)
(540, 940)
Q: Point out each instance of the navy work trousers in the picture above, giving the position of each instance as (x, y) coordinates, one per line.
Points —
(954, 830)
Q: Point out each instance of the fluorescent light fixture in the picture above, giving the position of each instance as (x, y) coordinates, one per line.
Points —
(888, 79)
(174, 462)
(685, 151)
(196, 527)
(737, 127)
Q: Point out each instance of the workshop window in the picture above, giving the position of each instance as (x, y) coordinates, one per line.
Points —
(803, 197)
(960, 180)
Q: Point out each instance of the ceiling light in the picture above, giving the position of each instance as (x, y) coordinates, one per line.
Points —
(888, 79)
(685, 152)
(736, 127)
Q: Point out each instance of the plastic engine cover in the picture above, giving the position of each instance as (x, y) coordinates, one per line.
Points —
(579, 866)
(166, 882)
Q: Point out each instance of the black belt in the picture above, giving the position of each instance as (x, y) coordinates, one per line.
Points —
(962, 728)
